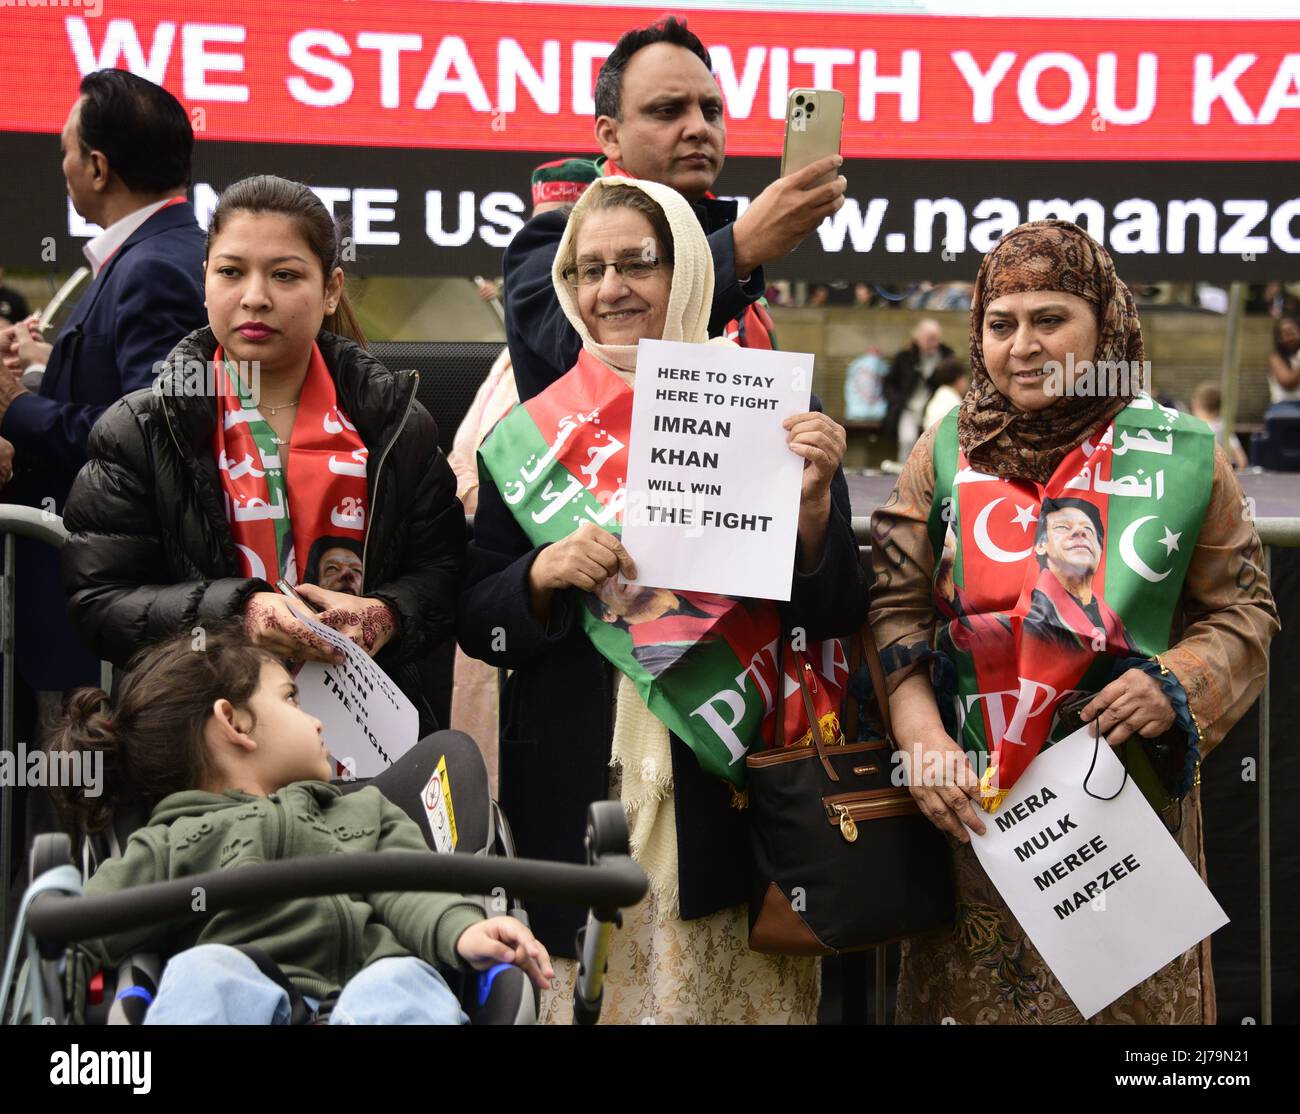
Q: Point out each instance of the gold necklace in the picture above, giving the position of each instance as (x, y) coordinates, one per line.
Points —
(273, 410)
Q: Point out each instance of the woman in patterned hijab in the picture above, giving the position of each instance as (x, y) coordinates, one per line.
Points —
(1029, 440)
(1047, 305)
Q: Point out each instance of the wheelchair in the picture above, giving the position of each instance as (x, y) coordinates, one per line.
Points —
(55, 914)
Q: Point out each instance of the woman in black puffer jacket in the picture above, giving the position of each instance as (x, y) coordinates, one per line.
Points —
(173, 523)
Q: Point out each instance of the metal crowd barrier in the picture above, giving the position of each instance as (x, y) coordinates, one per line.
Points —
(26, 522)
(43, 527)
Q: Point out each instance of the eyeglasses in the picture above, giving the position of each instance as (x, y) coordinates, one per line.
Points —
(635, 270)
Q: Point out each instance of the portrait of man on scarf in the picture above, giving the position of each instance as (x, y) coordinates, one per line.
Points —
(1066, 611)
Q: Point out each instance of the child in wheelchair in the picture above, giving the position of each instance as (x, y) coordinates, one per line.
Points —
(236, 773)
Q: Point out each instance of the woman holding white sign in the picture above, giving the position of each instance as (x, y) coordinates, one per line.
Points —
(272, 446)
(664, 686)
(1041, 543)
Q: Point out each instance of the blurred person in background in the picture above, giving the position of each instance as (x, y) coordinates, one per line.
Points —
(908, 387)
(13, 309)
(1284, 364)
(864, 387)
(1281, 299)
(950, 381)
(13, 306)
(23, 347)
(1207, 403)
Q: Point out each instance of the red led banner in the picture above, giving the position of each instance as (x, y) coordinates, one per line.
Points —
(518, 77)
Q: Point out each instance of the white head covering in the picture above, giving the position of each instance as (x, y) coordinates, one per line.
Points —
(691, 298)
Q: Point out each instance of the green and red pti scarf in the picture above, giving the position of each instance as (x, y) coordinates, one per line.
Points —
(705, 665)
(752, 329)
(274, 525)
(1041, 587)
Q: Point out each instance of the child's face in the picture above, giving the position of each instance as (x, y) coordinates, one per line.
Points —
(291, 744)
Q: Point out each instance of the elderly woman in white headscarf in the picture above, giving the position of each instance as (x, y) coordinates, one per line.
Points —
(540, 598)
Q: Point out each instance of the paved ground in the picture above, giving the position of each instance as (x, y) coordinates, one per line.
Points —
(1276, 494)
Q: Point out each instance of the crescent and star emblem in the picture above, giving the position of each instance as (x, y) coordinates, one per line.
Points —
(1129, 554)
(986, 544)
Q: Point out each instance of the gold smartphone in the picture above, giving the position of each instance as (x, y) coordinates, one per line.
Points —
(814, 120)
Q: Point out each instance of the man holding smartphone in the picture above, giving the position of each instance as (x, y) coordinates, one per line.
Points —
(659, 116)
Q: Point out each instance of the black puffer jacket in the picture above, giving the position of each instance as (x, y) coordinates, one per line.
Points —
(150, 553)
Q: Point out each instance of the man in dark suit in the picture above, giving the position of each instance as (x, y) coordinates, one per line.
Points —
(127, 146)
(126, 157)
(659, 116)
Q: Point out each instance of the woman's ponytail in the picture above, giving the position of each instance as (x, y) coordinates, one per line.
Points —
(343, 322)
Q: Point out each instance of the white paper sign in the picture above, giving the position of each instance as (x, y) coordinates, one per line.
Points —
(712, 488)
(368, 722)
(1100, 887)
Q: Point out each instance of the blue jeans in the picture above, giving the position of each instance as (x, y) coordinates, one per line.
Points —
(214, 984)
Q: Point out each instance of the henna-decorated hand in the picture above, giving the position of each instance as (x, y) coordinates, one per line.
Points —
(368, 622)
(269, 621)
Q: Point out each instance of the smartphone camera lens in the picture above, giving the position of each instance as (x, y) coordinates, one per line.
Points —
(798, 100)
(811, 105)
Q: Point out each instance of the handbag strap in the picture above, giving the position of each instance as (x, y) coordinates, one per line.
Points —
(876, 671)
(814, 725)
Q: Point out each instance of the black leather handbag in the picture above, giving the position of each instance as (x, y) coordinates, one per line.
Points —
(844, 859)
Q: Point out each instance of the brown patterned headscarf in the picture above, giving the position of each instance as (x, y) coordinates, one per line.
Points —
(996, 435)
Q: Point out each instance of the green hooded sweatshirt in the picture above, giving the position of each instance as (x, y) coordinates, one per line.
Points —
(319, 942)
